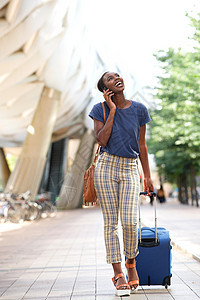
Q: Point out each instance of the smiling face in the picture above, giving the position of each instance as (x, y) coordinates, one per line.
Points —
(113, 82)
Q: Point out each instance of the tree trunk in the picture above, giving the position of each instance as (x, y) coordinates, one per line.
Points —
(193, 184)
(185, 184)
(179, 184)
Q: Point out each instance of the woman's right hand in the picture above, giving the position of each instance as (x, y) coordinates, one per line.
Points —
(107, 96)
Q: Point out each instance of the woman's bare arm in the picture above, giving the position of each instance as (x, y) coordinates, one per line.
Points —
(144, 160)
(103, 131)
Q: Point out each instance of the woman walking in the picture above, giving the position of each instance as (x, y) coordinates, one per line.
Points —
(122, 141)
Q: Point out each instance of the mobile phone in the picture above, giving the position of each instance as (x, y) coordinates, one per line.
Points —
(105, 88)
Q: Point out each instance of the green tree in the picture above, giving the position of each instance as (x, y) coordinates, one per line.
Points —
(175, 126)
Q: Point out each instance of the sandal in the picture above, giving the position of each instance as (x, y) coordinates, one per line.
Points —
(122, 289)
(132, 282)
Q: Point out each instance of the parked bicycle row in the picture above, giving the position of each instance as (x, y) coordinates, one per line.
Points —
(18, 208)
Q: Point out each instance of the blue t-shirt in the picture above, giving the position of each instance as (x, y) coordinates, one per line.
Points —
(124, 138)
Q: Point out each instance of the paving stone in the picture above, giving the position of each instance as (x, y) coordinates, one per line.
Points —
(113, 297)
(38, 292)
(60, 293)
(33, 298)
(186, 297)
(14, 293)
(158, 297)
(58, 298)
(86, 296)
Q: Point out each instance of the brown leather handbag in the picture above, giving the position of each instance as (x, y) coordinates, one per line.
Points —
(89, 195)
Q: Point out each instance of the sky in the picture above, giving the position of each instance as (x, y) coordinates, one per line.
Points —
(130, 31)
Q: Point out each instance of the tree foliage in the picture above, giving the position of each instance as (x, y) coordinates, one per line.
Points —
(175, 126)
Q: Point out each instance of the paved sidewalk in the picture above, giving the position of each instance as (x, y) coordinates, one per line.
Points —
(64, 258)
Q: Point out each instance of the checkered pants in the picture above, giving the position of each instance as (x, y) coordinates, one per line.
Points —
(116, 182)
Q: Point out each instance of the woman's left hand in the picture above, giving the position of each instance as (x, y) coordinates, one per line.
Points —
(148, 185)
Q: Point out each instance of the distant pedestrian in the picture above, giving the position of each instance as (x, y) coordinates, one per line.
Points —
(161, 194)
(117, 180)
(151, 199)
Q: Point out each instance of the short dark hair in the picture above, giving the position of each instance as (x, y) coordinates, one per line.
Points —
(101, 86)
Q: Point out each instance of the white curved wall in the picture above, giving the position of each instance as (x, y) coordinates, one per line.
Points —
(45, 43)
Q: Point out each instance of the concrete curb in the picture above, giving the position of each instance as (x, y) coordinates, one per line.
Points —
(178, 247)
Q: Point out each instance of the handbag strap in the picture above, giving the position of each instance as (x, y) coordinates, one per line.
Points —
(97, 152)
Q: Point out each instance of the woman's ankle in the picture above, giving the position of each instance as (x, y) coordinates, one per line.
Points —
(117, 268)
(130, 260)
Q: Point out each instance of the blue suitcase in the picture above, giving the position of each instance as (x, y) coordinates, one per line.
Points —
(154, 258)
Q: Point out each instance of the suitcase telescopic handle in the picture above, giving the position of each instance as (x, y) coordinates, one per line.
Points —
(152, 195)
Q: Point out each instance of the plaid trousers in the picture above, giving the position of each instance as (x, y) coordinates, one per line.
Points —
(117, 187)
